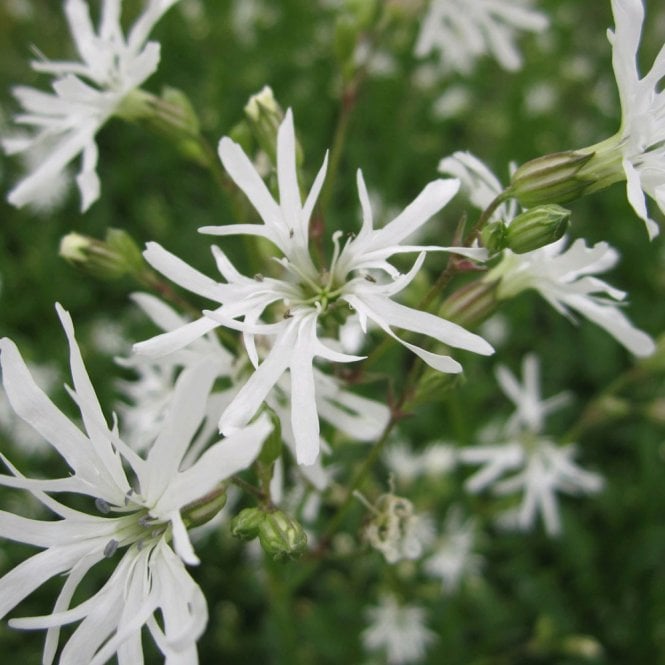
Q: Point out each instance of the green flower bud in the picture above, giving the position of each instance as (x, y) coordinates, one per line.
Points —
(281, 536)
(562, 177)
(108, 259)
(582, 646)
(493, 237)
(264, 116)
(245, 525)
(536, 228)
(202, 511)
(471, 304)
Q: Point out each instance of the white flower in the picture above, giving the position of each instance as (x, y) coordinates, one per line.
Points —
(305, 295)
(453, 558)
(434, 461)
(85, 95)
(564, 277)
(641, 137)
(21, 436)
(142, 505)
(145, 401)
(465, 30)
(531, 410)
(397, 630)
(478, 184)
(542, 469)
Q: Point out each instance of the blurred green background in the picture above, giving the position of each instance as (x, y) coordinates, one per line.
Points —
(605, 576)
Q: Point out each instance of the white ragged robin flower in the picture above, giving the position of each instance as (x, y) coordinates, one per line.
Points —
(85, 95)
(465, 30)
(538, 466)
(398, 631)
(565, 278)
(142, 508)
(641, 137)
(359, 418)
(453, 557)
(478, 184)
(306, 299)
(538, 469)
(144, 402)
(530, 409)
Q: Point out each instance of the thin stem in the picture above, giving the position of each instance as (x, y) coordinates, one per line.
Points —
(281, 613)
(349, 99)
(589, 416)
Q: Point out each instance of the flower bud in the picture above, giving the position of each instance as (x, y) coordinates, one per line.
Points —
(471, 304)
(281, 536)
(536, 228)
(493, 237)
(562, 177)
(264, 116)
(202, 511)
(108, 259)
(136, 105)
(245, 525)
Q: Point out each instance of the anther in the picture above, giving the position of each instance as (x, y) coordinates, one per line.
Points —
(110, 548)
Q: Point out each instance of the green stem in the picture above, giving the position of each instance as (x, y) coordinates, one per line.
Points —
(281, 613)
(589, 416)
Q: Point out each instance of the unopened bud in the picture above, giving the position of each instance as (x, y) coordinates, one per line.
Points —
(108, 259)
(264, 116)
(281, 536)
(471, 304)
(562, 177)
(245, 525)
(493, 237)
(202, 511)
(536, 228)
(136, 105)
(582, 646)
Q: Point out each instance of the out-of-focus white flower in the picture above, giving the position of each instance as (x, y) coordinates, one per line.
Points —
(542, 469)
(465, 30)
(85, 95)
(478, 184)
(641, 137)
(538, 466)
(143, 505)
(399, 631)
(530, 409)
(453, 558)
(406, 464)
(564, 277)
(360, 278)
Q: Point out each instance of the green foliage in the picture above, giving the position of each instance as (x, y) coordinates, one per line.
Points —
(537, 600)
